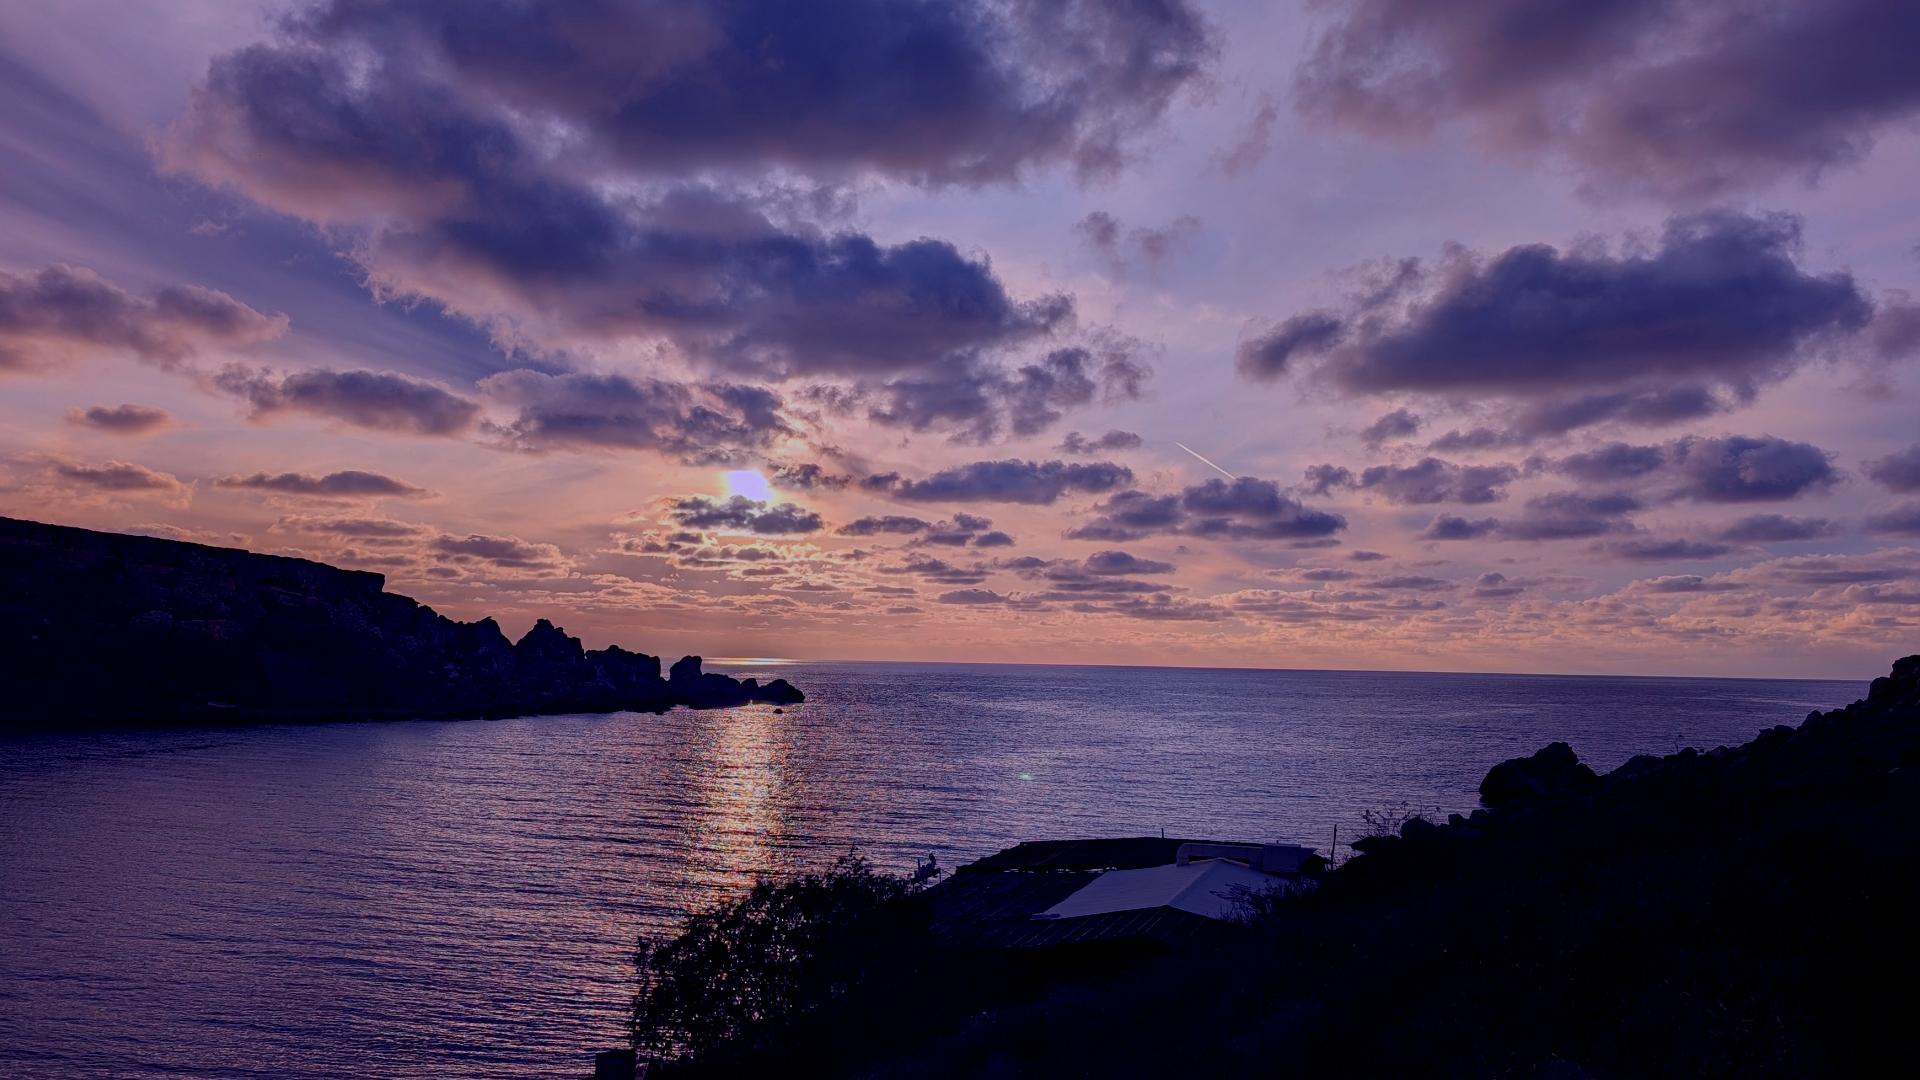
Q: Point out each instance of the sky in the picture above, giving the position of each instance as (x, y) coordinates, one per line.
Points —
(1508, 335)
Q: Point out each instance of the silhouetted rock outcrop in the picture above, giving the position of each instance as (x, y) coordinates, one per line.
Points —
(100, 627)
(1554, 768)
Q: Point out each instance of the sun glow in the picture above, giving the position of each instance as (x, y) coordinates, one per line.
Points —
(750, 484)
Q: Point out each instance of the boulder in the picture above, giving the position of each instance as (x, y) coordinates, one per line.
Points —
(1554, 768)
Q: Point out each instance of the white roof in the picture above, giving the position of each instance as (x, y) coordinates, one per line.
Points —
(1203, 887)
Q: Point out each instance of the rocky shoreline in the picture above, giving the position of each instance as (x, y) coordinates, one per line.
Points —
(105, 629)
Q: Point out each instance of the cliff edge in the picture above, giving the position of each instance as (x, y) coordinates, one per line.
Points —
(104, 628)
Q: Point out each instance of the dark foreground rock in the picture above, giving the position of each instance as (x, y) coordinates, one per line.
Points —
(104, 628)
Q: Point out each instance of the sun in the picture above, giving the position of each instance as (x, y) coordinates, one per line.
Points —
(750, 484)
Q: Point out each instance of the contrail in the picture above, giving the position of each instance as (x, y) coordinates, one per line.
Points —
(1196, 453)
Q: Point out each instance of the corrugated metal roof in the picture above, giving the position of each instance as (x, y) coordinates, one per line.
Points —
(1211, 887)
(1118, 853)
(991, 903)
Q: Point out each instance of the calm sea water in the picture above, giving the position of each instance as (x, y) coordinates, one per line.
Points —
(460, 899)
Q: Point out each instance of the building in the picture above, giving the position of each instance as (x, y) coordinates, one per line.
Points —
(1127, 894)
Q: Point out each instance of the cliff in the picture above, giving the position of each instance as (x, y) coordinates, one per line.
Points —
(104, 628)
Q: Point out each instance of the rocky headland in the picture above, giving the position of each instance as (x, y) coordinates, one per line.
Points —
(103, 628)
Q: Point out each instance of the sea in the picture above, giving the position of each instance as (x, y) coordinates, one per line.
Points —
(434, 898)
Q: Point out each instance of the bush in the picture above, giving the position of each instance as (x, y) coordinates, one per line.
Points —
(748, 973)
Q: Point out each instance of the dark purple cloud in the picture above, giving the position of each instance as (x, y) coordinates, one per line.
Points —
(1325, 479)
(1901, 519)
(1121, 562)
(1558, 515)
(381, 400)
(1494, 585)
(1431, 480)
(892, 524)
(121, 419)
(63, 312)
(427, 124)
(979, 400)
(962, 530)
(1681, 97)
(808, 476)
(1613, 463)
(1013, 481)
(506, 552)
(962, 92)
(1727, 469)
(1645, 549)
(971, 596)
(740, 512)
(1897, 472)
(1079, 445)
(1248, 508)
(349, 484)
(1778, 528)
(696, 422)
(1268, 354)
(118, 476)
(1586, 335)
(1740, 468)
(1394, 425)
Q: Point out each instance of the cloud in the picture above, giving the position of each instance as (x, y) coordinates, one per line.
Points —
(1738, 468)
(1778, 528)
(380, 400)
(1251, 148)
(1393, 425)
(1432, 480)
(1559, 515)
(363, 528)
(1266, 355)
(672, 172)
(63, 313)
(1246, 509)
(1902, 519)
(879, 526)
(711, 422)
(347, 484)
(1683, 98)
(120, 477)
(1613, 463)
(505, 552)
(1494, 585)
(740, 512)
(121, 419)
(1148, 246)
(1651, 550)
(1120, 562)
(1727, 469)
(1013, 481)
(808, 476)
(1586, 335)
(962, 530)
(1081, 446)
(1684, 583)
(962, 93)
(1897, 472)
(971, 596)
(979, 400)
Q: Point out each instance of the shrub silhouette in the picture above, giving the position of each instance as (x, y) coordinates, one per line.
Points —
(744, 974)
